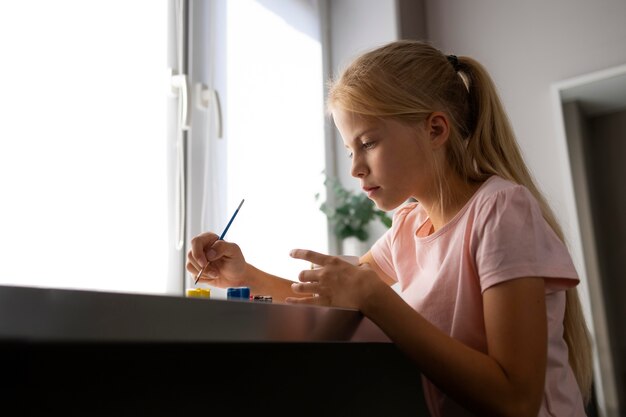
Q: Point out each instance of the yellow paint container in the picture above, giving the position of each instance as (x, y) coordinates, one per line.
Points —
(199, 292)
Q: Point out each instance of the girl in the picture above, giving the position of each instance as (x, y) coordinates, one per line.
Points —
(487, 305)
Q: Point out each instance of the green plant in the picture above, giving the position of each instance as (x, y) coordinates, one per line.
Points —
(350, 213)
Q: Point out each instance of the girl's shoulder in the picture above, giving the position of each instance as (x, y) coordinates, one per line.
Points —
(496, 187)
(496, 192)
(409, 209)
(408, 216)
(496, 183)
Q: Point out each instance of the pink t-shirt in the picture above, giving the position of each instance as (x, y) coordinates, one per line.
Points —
(499, 235)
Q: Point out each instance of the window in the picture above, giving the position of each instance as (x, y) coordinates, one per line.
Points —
(83, 158)
(89, 144)
(272, 153)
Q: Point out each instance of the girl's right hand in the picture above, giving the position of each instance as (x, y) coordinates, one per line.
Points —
(227, 266)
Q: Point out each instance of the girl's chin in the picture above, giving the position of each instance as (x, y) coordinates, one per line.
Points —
(383, 205)
(386, 205)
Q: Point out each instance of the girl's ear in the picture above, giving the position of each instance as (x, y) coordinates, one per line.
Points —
(438, 128)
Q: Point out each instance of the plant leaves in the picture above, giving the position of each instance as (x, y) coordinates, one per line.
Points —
(351, 212)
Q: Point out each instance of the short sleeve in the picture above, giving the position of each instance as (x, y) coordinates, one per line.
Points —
(511, 239)
(382, 250)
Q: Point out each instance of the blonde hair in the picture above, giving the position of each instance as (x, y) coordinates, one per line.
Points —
(407, 81)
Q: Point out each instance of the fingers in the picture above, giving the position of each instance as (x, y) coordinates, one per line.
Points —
(319, 263)
(198, 246)
(219, 249)
(305, 287)
(309, 275)
(208, 280)
(209, 273)
(311, 256)
(309, 292)
(193, 266)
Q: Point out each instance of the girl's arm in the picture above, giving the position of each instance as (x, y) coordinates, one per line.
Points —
(369, 259)
(509, 379)
(227, 267)
(261, 282)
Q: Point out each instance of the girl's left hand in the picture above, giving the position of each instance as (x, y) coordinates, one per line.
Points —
(334, 282)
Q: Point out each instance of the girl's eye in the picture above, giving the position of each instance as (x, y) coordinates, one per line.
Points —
(368, 145)
(364, 145)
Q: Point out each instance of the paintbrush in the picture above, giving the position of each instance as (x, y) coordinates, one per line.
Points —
(221, 238)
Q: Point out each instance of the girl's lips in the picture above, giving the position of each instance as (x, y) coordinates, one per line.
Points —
(370, 190)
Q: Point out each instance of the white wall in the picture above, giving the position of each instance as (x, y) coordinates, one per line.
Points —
(356, 25)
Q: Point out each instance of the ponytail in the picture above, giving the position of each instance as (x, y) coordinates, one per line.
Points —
(493, 149)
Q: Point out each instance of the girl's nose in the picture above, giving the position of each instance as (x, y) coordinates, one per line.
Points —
(359, 168)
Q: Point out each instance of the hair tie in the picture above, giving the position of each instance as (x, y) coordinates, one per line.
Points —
(454, 61)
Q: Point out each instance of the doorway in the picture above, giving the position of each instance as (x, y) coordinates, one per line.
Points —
(593, 109)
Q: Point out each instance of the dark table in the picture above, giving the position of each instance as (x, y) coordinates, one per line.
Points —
(86, 353)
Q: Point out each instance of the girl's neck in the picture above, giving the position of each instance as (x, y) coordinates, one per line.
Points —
(456, 193)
